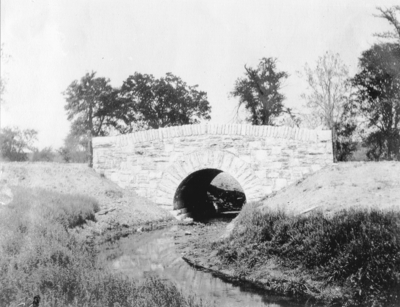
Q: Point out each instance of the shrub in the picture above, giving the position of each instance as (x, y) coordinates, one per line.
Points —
(46, 154)
(358, 250)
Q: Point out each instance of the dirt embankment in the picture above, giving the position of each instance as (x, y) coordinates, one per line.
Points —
(341, 186)
(118, 207)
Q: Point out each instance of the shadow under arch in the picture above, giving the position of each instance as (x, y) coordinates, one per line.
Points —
(201, 199)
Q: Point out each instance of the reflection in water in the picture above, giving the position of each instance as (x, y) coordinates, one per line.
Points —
(154, 253)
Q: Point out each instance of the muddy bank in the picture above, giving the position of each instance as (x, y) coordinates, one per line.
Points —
(197, 244)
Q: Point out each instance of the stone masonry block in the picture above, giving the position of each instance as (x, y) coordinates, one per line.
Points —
(272, 174)
(246, 158)
(259, 155)
(255, 145)
(261, 174)
(324, 135)
(276, 150)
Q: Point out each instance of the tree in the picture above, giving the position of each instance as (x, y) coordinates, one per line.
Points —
(328, 92)
(89, 105)
(377, 99)
(15, 143)
(259, 92)
(149, 103)
(391, 15)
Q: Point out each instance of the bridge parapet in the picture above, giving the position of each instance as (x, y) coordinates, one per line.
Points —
(214, 129)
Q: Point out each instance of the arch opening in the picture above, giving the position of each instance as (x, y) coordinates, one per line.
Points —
(209, 193)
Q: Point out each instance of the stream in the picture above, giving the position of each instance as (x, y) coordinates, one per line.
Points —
(154, 254)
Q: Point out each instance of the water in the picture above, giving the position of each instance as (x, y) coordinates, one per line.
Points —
(154, 253)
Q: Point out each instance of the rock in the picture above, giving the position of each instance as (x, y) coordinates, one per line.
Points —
(188, 233)
(140, 229)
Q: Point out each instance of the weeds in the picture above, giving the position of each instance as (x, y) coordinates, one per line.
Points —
(41, 256)
(357, 250)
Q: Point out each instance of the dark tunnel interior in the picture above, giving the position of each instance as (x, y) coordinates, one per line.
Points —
(202, 199)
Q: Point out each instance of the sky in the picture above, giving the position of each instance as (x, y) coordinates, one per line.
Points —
(53, 42)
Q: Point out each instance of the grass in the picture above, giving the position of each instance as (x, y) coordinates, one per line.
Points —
(358, 251)
(41, 254)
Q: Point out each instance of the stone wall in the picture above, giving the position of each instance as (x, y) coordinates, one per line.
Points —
(262, 159)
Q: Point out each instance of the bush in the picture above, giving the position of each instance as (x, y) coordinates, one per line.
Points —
(358, 250)
(14, 143)
(46, 154)
(41, 255)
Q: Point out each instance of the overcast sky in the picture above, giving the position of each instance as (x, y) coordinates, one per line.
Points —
(52, 43)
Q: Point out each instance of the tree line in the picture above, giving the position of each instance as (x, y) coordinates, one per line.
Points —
(360, 110)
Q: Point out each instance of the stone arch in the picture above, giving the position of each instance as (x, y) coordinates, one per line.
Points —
(224, 161)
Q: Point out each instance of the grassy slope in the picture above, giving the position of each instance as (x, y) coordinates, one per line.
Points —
(116, 205)
(43, 254)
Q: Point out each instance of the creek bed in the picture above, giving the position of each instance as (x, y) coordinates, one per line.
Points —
(155, 253)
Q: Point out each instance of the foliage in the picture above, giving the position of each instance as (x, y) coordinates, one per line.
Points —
(42, 255)
(377, 99)
(88, 104)
(15, 143)
(75, 147)
(328, 93)
(46, 154)
(357, 250)
(259, 92)
(390, 14)
(328, 88)
(150, 103)
(345, 129)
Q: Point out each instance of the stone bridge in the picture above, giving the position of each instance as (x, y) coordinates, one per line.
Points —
(171, 165)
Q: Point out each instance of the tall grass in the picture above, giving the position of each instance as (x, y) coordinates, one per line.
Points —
(41, 255)
(357, 250)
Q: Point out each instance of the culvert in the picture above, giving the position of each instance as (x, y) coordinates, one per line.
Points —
(208, 193)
